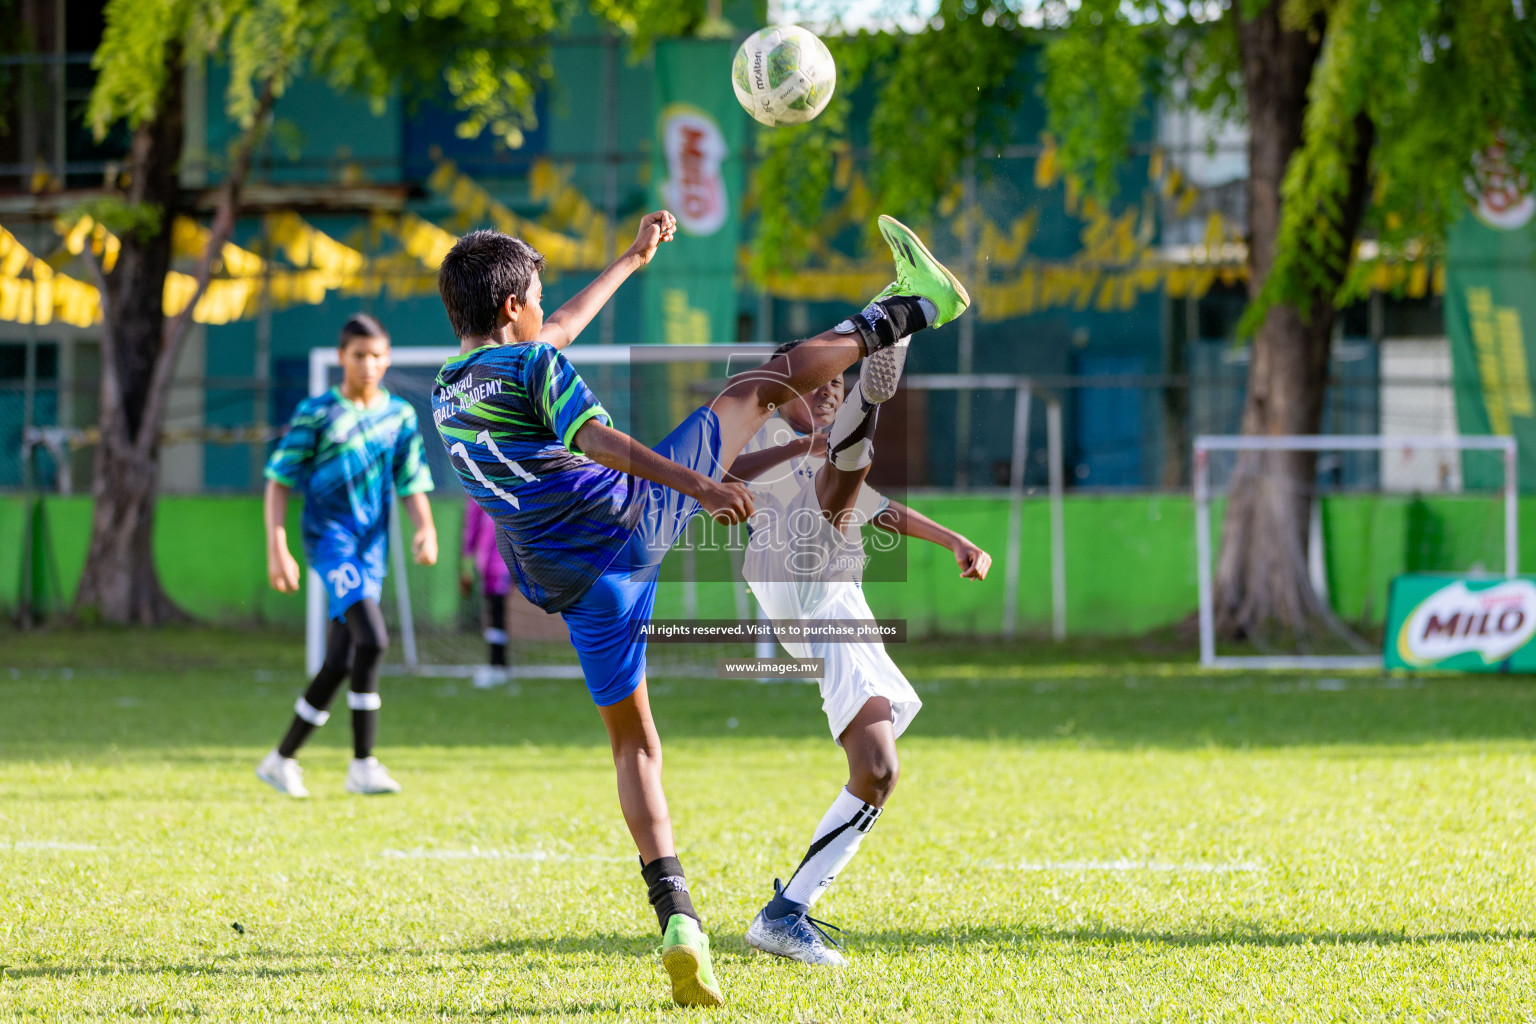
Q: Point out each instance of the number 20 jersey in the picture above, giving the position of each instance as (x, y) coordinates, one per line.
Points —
(508, 415)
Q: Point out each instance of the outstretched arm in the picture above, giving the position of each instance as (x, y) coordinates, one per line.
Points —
(726, 502)
(562, 326)
(898, 518)
(751, 465)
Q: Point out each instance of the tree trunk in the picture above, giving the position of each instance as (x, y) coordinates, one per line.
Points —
(139, 350)
(120, 583)
(1262, 580)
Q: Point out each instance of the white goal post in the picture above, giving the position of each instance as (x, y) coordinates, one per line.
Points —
(1206, 444)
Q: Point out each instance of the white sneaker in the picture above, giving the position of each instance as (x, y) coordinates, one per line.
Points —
(795, 937)
(366, 777)
(282, 774)
(490, 676)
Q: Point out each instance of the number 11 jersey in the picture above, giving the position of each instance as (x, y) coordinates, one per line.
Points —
(508, 415)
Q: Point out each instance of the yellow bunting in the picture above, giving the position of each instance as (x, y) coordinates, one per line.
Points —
(178, 291)
(189, 239)
(1173, 184)
(1047, 166)
(1107, 295)
(1418, 280)
(472, 203)
(1011, 247)
(1073, 190)
(424, 240)
(305, 246)
(1215, 234)
(46, 295)
(842, 168)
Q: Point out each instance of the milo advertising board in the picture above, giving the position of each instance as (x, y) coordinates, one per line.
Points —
(1461, 624)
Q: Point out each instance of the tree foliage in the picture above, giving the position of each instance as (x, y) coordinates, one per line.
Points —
(490, 55)
(1438, 81)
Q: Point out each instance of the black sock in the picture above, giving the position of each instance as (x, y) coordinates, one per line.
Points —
(293, 739)
(369, 641)
(667, 889)
(365, 728)
(496, 632)
(298, 731)
(883, 323)
(311, 711)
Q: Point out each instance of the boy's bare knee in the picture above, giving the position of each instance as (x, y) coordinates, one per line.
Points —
(639, 749)
(878, 776)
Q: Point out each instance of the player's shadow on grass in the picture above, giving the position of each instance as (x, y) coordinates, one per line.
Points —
(722, 942)
(1025, 938)
(604, 943)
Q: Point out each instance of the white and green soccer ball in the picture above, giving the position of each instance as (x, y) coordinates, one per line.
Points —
(783, 75)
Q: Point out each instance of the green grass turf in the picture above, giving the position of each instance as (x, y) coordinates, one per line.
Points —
(1290, 847)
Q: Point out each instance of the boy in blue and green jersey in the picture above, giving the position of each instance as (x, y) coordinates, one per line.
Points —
(585, 514)
(348, 451)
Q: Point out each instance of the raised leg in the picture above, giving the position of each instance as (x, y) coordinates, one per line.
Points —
(749, 398)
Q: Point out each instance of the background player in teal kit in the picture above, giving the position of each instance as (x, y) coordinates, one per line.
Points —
(348, 451)
(585, 513)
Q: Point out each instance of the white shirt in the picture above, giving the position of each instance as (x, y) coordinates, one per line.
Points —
(792, 541)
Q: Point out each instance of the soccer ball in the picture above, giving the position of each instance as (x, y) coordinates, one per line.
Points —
(783, 75)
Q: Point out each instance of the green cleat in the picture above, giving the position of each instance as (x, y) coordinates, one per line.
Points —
(918, 273)
(685, 955)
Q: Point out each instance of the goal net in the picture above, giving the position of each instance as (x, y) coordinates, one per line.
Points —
(648, 389)
(1379, 506)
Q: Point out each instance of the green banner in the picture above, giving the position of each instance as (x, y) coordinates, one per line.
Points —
(690, 287)
(1447, 623)
(1490, 316)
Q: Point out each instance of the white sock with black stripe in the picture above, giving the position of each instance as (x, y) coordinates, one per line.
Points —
(835, 842)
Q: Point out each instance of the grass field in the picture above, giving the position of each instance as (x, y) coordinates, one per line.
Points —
(1093, 840)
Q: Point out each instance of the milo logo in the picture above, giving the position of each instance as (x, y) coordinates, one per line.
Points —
(1503, 194)
(695, 149)
(1493, 622)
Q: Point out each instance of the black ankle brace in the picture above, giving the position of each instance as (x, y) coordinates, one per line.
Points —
(667, 889)
(881, 324)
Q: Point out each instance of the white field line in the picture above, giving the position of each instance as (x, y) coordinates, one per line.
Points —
(46, 844)
(1122, 865)
(475, 853)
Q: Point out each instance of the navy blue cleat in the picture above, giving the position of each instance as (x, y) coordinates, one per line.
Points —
(795, 934)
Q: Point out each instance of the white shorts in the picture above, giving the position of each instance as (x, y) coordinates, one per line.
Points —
(855, 673)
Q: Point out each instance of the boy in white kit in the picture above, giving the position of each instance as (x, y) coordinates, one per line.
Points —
(805, 561)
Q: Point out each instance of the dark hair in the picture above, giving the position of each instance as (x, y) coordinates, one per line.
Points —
(360, 325)
(477, 276)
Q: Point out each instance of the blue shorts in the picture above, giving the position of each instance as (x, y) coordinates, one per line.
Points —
(348, 580)
(602, 621)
